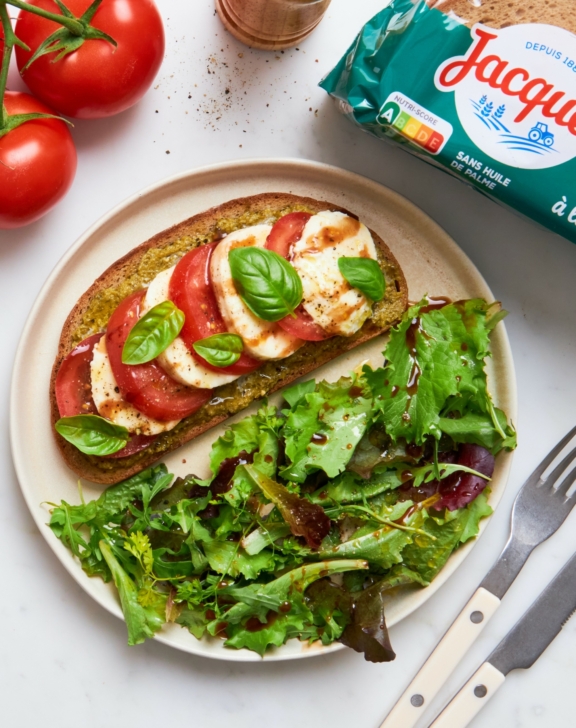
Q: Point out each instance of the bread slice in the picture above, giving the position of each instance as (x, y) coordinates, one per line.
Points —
(136, 269)
(502, 13)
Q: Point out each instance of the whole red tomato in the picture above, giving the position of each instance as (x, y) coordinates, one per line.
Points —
(97, 79)
(37, 163)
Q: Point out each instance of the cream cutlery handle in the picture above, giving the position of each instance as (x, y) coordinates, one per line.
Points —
(441, 663)
(466, 704)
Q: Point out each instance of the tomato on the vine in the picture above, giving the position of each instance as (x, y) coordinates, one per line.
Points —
(98, 79)
(37, 163)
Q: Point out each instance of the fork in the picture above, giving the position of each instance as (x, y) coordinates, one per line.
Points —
(539, 510)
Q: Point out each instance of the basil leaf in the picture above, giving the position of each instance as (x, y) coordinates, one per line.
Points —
(155, 331)
(364, 274)
(220, 350)
(93, 435)
(266, 282)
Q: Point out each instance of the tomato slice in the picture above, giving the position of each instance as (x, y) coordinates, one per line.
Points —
(74, 392)
(285, 232)
(303, 326)
(147, 386)
(73, 389)
(192, 292)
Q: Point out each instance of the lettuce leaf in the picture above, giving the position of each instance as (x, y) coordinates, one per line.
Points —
(382, 547)
(258, 619)
(256, 435)
(435, 368)
(325, 426)
(141, 621)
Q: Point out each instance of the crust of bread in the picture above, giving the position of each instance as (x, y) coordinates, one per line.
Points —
(230, 398)
(502, 13)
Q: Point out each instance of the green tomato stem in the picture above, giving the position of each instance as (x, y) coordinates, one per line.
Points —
(6, 56)
(72, 24)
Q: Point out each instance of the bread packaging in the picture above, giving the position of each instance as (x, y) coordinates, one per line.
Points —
(484, 89)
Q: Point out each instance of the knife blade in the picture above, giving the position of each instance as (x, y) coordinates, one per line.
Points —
(543, 621)
(520, 649)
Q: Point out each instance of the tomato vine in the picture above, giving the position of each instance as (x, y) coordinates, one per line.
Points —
(68, 38)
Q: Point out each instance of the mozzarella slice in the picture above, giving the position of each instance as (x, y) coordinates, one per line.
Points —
(262, 339)
(110, 403)
(176, 359)
(328, 297)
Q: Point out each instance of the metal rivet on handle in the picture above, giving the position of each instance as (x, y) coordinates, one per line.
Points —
(417, 700)
(476, 617)
(480, 691)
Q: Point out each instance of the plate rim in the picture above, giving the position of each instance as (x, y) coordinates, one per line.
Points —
(71, 566)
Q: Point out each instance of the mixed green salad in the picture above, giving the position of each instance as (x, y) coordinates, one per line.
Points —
(315, 513)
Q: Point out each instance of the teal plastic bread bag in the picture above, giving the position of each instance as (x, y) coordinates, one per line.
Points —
(494, 103)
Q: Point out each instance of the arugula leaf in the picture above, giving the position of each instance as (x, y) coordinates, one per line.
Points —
(92, 434)
(220, 350)
(364, 274)
(261, 604)
(153, 333)
(194, 620)
(118, 497)
(227, 557)
(382, 547)
(284, 587)
(323, 429)
(472, 515)
(267, 283)
(273, 631)
(141, 621)
(433, 358)
(427, 554)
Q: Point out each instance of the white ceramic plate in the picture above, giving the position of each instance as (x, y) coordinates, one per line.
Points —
(431, 261)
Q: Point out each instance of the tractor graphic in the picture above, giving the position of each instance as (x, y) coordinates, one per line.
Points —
(540, 134)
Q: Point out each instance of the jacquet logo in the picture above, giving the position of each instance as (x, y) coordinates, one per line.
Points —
(510, 93)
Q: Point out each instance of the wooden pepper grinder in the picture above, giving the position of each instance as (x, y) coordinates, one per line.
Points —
(271, 24)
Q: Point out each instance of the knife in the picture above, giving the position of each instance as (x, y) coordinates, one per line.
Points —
(520, 649)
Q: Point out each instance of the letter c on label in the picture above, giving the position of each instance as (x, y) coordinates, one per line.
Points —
(510, 76)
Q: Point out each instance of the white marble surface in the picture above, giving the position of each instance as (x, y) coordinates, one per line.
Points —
(63, 660)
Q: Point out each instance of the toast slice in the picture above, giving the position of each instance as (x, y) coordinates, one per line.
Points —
(136, 269)
(502, 13)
